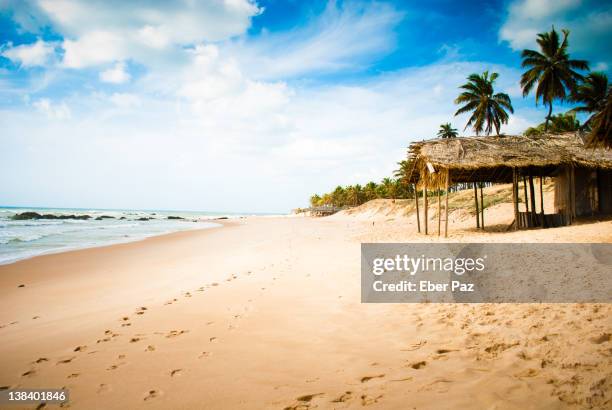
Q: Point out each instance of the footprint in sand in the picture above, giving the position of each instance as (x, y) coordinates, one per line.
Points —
(151, 395)
(369, 400)
(187, 294)
(141, 310)
(605, 337)
(80, 348)
(103, 388)
(73, 376)
(307, 398)
(415, 346)
(134, 339)
(213, 339)
(346, 396)
(150, 348)
(66, 361)
(175, 372)
(5, 387)
(368, 378)
(418, 365)
(175, 333)
(204, 355)
(29, 373)
(115, 366)
(41, 359)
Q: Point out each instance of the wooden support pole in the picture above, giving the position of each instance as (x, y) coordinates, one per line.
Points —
(425, 217)
(573, 193)
(416, 202)
(476, 205)
(515, 199)
(542, 200)
(568, 197)
(446, 204)
(439, 212)
(481, 209)
(525, 191)
(532, 200)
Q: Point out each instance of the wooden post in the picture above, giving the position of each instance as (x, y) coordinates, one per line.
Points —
(532, 199)
(515, 198)
(439, 212)
(425, 205)
(476, 204)
(481, 209)
(446, 204)
(526, 198)
(568, 196)
(573, 193)
(542, 200)
(416, 202)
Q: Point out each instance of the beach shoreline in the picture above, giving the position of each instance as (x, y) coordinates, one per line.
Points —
(266, 313)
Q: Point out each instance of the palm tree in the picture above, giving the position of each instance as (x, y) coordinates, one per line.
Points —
(552, 70)
(601, 125)
(370, 191)
(315, 200)
(592, 94)
(447, 131)
(487, 107)
(558, 123)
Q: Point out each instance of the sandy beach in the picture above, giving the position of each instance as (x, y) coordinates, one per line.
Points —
(266, 313)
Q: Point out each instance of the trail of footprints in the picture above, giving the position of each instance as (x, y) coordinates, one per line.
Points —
(125, 322)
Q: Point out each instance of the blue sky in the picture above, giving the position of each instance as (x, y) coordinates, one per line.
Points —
(239, 105)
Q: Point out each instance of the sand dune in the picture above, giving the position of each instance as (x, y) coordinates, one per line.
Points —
(266, 313)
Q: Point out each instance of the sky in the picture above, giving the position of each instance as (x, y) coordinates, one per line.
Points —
(244, 105)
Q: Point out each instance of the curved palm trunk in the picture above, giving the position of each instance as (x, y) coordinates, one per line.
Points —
(548, 116)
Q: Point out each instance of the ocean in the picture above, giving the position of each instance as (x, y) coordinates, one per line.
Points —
(24, 238)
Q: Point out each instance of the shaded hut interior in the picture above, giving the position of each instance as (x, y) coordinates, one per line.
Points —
(582, 176)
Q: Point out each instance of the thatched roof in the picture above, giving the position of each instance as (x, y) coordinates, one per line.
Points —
(474, 159)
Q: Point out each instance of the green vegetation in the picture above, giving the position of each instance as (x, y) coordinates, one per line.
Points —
(595, 95)
(558, 123)
(447, 131)
(353, 195)
(552, 70)
(488, 109)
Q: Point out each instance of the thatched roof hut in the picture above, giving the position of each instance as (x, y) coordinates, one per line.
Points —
(441, 162)
(478, 159)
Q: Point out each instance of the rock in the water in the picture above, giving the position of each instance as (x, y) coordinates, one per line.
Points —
(101, 217)
(175, 217)
(26, 215)
(35, 215)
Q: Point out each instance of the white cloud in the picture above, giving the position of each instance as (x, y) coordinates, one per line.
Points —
(116, 74)
(342, 38)
(30, 55)
(98, 31)
(589, 21)
(126, 100)
(52, 111)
